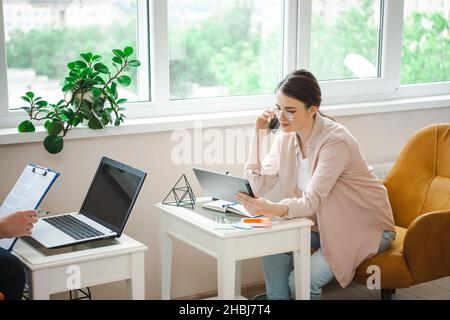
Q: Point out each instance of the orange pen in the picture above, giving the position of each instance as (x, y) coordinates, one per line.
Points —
(258, 222)
(255, 220)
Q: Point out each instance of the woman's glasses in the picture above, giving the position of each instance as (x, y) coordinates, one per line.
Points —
(288, 115)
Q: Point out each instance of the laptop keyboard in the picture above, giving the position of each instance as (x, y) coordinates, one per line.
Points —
(73, 227)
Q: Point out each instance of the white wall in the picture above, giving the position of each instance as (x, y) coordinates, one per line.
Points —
(381, 137)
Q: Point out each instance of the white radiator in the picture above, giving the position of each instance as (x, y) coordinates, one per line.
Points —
(382, 169)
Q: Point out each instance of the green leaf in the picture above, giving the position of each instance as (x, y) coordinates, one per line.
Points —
(86, 56)
(75, 73)
(113, 89)
(96, 92)
(46, 124)
(55, 128)
(62, 117)
(67, 87)
(96, 58)
(71, 79)
(42, 103)
(117, 122)
(86, 72)
(134, 63)
(102, 68)
(85, 115)
(95, 123)
(117, 60)
(89, 83)
(24, 98)
(80, 64)
(120, 101)
(77, 120)
(119, 53)
(85, 107)
(100, 80)
(124, 80)
(30, 94)
(68, 113)
(26, 126)
(53, 144)
(71, 65)
(128, 51)
(106, 118)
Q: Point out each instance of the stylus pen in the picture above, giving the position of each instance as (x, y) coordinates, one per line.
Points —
(228, 205)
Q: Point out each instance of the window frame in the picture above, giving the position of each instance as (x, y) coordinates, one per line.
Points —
(11, 118)
(343, 90)
(153, 43)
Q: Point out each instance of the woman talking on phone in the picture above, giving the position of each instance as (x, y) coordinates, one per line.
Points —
(323, 176)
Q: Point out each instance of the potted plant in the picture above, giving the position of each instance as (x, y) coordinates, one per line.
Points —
(90, 95)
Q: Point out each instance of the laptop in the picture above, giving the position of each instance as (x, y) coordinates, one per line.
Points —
(221, 185)
(104, 212)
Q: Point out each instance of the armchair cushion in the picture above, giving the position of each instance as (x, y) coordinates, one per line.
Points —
(427, 246)
(394, 269)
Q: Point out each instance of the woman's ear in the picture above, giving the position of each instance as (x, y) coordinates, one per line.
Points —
(313, 110)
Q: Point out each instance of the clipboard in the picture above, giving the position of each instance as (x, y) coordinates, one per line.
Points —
(27, 194)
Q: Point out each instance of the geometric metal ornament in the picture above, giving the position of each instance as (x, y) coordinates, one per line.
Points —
(182, 194)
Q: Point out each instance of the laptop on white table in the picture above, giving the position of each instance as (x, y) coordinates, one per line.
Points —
(105, 210)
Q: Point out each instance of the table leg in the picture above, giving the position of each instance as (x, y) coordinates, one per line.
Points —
(166, 265)
(302, 261)
(39, 285)
(237, 283)
(136, 284)
(226, 271)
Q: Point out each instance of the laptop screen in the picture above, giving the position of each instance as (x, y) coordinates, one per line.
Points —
(112, 194)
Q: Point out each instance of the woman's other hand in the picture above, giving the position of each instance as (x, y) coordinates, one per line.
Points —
(261, 206)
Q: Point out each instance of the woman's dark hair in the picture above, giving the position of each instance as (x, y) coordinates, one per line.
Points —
(302, 85)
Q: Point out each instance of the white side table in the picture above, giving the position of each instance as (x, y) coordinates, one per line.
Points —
(200, 228)
(57, 270)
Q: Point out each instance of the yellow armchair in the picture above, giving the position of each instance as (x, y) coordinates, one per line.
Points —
(419, 192)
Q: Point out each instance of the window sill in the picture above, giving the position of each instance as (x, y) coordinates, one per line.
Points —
(159, 124)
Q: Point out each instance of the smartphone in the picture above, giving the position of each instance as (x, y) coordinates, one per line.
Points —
(274, 124)
(249, 189)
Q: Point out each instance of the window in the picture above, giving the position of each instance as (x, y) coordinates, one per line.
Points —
(209, 56)
(41, 37)
(345, 37)
(426, 41)
(226, 49)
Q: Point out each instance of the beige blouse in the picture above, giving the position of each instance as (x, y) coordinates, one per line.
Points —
(344, 198)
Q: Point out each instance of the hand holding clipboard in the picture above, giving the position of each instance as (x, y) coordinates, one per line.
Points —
(18, 224)
(28, 193)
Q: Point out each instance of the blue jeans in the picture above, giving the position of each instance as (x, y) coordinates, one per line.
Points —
(279, 270)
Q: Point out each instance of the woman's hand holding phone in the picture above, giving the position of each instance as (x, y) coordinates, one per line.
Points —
(263, 120)
(260, 206)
